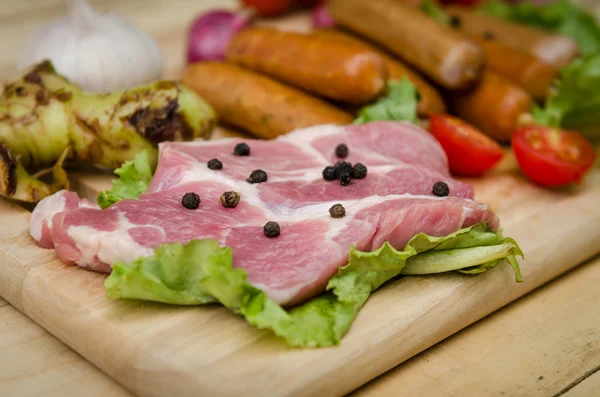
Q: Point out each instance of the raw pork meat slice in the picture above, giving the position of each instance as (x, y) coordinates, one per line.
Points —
(393, 203)
(41, 219)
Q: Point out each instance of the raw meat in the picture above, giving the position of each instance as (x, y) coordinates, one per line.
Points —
(393, 203)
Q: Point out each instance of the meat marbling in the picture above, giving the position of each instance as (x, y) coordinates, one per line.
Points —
(393, 203)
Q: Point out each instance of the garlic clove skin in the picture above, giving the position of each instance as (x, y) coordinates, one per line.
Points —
(101, 52)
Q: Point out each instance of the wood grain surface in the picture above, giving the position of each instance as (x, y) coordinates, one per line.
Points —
(34, 363)
(545, 344)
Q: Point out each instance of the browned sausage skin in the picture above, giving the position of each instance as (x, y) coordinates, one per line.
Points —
(555, 50)
(336, 70)
(520, 67)
(444, 55)
(431, 100)
(256, 103)
(494, 105)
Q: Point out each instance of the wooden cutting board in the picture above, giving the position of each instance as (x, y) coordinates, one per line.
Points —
(158, 350)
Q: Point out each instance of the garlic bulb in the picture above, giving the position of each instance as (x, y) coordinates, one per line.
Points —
(101, 52)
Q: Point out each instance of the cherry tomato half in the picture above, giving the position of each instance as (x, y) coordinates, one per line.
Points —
(469, 151)
(269, 8)
(552, 157)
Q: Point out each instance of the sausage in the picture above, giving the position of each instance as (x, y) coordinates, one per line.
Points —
(433, 48)
(332, 69)
(256, 103)
(431, 100)
(555, 50)
(494, 105)
(520, 67)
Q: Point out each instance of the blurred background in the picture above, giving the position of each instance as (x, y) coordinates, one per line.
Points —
(166, 21)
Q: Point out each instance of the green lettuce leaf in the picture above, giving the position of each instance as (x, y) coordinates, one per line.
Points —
(398, 104)
(560, 16)
(134, 179)
(201, 271)
(431, 8)
(465, 260)
(576, 102)
(171, 275)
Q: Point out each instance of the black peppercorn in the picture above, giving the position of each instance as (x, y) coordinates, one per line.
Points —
(329, 173)
(337, 211)
(454, 21)
(271, 229)
(257, 176)
(215, 164)
(441, 189)
(342, 167)
(345, 178)
(242, 149)
(190, 201)
(487, 35)
(359, 171)
(230, 199)
(341, 151)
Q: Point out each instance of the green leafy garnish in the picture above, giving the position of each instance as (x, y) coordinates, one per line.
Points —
(134, 179)
(560, 16)
(202, 271)
(576, 102)
(171, 275)
(431, 8)
(398, 104)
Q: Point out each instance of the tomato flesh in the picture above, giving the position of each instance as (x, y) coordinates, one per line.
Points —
(552, 157)
(269, 8)
(469, 151)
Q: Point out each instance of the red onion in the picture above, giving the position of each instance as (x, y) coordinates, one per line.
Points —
(211, 33)
(321, 17)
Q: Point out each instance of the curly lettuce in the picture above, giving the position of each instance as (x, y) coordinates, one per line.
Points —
(202, 272)
(134, 179)
(576, 102)
(399, 103)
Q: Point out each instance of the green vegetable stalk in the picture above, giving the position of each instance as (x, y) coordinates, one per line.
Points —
(45, 120)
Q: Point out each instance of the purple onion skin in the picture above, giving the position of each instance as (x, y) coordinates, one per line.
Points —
(211, 33)
(321, 18)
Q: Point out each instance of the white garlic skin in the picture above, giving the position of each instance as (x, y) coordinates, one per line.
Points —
(101, 52)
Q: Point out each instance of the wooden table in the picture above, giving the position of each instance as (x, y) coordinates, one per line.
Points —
(545, 344)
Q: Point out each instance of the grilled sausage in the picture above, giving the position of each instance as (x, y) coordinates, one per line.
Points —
(332, 69)
(444, 55)
(256, 103)
(431, 100)
(494, 105)
(555, 50)
(520, 67)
